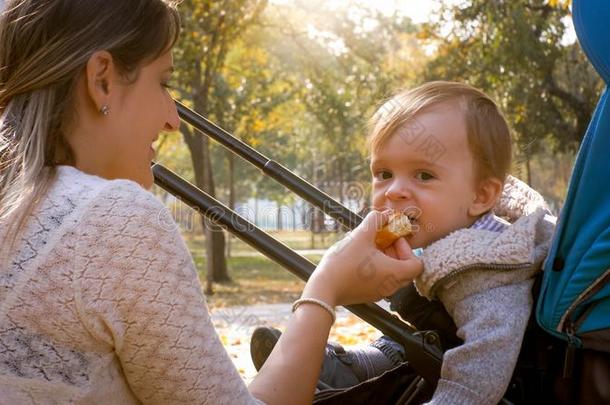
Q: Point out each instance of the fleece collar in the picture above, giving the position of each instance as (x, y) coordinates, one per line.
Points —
(520, 246)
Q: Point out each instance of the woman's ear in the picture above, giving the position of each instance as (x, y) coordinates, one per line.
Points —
(100, 72)
(487, 194)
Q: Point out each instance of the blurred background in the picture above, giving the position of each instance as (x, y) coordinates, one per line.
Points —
(298, 80)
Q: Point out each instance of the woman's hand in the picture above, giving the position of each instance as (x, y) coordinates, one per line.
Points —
(354, 270)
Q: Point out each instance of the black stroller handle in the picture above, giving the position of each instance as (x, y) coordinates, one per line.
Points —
(422, 350)
(343, 215)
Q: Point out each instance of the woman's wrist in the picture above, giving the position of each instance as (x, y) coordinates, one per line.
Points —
(320, 290)
(313, 315)
(314, 301)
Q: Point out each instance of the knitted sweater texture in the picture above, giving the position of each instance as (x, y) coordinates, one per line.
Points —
(100, 303)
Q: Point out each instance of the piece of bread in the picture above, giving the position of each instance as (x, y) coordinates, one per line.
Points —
(398, 226)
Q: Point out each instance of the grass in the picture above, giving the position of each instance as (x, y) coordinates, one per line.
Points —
(256, 279)
(297, 240)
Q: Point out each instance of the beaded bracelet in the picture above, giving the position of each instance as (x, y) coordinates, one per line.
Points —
(318, 302)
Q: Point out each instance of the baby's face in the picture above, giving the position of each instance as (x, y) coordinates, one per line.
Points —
(426, 170)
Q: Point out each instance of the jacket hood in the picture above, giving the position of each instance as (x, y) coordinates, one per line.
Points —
(517, 200)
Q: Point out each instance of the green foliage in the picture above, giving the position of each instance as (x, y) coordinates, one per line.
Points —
(209, 30)
(514, 50)
(298, 81)
(341, 61)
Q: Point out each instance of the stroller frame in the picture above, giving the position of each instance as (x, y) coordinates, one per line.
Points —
(422, 347)
(423, 351)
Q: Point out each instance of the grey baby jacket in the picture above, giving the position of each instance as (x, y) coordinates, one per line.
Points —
(484, 280)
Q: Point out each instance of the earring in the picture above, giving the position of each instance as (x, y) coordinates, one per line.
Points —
(105, 110)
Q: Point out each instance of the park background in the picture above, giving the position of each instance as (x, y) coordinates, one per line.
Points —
(298, 80)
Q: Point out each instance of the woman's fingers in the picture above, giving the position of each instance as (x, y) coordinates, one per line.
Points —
(409, 269)
(399, 272)
(403, 249)
(373, 222)
(391, 251)
(363, 233)
(354, 270)
(393, 269)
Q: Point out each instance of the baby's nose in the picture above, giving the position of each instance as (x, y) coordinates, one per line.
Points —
(399, 191)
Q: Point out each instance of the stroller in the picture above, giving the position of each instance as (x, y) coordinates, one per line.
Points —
(565, 357)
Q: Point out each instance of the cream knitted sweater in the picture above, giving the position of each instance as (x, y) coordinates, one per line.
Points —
(100, 303)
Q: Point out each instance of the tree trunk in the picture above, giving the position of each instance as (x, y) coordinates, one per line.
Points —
(278, 224)
(312, 220)
(255, 209)
(220, 31)
(341, 179)
(214, 235)
(528, 169)
(231, 161)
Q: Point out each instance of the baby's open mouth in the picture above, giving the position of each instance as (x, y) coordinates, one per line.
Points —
(412, 213)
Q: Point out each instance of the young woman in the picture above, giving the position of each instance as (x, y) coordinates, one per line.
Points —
(99, 297)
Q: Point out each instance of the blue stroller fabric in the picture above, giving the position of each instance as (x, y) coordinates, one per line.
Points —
(574, 302)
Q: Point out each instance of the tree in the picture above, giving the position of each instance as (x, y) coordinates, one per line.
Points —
(253, 96)
(345, 59)
(210, 28)
(514, 50)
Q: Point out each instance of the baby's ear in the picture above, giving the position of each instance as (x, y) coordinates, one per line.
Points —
(487, 194)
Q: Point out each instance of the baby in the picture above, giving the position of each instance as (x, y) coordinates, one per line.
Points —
(440, 153)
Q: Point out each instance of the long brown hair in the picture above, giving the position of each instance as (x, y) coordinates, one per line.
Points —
(44, 47)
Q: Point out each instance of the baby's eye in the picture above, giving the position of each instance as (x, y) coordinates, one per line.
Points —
(382, 175)
(424, 176)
